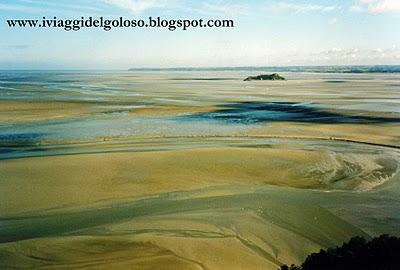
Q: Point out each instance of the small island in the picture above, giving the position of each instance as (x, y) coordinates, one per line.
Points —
(266, 77)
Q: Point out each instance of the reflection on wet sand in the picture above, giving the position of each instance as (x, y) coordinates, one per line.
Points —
(193, 171)
(256, 112)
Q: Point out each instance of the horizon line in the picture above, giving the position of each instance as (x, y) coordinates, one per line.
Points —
(291, 68)
(209, 67)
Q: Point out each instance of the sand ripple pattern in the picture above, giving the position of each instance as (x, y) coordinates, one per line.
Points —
(361, 172)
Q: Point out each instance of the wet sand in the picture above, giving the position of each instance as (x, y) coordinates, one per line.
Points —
(22, 111)
(73, 180)
(188, 171)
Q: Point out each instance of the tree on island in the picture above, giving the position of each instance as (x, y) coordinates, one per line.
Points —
(266, 77)
(381, 253)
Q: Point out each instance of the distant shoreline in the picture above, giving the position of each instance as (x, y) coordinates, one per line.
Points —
(314, 69)
(350, 69)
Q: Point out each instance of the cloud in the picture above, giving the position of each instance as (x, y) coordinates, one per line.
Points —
(28, 6)
(332, 21)
(136, 6)
(357, 8)
(212, 8)
(359, 56)
(222, 8)
(13, 7)
(377, 6)
(303, 8)
(333, 56)
(18, 47)
(208, 8)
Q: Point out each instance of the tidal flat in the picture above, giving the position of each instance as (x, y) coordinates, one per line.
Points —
(193, 169)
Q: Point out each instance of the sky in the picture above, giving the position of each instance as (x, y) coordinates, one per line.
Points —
(266, 33)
